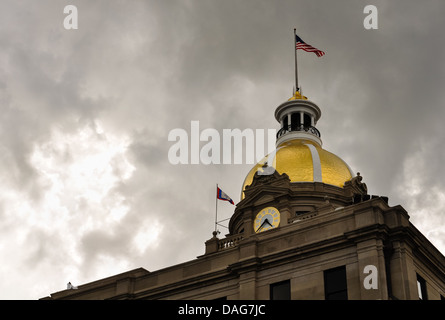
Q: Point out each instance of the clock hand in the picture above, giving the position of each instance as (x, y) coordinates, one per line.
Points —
(261, 226)
(266, 220)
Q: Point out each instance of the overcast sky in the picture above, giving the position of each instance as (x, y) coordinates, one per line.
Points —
(87, 190)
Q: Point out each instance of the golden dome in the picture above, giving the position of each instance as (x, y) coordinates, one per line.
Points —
(304, 161)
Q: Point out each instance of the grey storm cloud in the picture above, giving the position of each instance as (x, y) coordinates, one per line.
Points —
(87, 189)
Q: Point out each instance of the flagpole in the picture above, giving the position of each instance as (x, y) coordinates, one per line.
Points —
(216, 208)
(296, 65)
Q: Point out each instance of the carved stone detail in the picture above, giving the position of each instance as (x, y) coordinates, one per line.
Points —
(266, 177)
(356, 186)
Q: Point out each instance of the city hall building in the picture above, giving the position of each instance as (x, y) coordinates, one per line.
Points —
(305, 228)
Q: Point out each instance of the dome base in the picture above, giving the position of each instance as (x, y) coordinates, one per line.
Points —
(303, 160)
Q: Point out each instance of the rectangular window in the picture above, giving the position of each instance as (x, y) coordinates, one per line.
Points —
(280, 290)
(335, 286)
(421, 288)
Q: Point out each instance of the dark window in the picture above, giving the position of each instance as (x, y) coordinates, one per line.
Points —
(421, 288)
(280, 290)
(285, 124)
(295, 121)
(307, 120)
(335, 287)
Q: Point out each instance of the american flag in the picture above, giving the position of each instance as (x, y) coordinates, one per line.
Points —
(300, 44)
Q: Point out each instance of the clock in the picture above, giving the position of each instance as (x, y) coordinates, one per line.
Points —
(268, 218)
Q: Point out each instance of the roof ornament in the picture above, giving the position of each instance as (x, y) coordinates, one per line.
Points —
(358, 186)
(69, 286)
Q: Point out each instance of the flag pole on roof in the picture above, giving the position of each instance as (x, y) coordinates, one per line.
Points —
(296, 65)
(300, 44)
(216, 209)
(220, 195)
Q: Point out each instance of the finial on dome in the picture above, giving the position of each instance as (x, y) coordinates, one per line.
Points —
(297, 96)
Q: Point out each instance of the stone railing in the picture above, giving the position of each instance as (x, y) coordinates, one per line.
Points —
(229, 242)
(214, 244)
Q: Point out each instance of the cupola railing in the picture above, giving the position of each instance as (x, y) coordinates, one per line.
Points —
(290, 128)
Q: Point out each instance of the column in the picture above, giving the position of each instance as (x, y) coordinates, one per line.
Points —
(403, 274)
(247, 285)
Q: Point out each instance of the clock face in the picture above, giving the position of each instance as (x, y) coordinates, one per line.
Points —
(268, 218)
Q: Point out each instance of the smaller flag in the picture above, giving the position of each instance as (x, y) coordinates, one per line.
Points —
(300, 44)
(222, 196)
